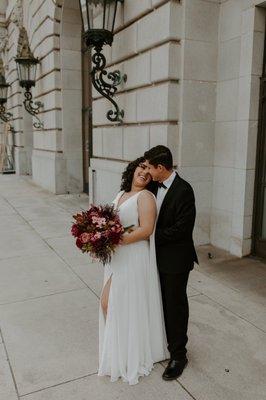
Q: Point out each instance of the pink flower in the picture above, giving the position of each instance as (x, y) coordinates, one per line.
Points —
(96, 236)
(99, 222)
(85, 237)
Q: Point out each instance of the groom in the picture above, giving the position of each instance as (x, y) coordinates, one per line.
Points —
(174, 250)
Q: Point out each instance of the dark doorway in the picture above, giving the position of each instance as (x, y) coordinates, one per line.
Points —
(86, 117)
(259, 220)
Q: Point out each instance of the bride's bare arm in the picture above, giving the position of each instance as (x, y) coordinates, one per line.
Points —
(147, 216)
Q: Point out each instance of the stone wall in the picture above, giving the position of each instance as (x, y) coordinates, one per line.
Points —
(192, 84)
(146, 48)
(240, 47)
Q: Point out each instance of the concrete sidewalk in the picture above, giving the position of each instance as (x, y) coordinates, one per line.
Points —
(49, 313)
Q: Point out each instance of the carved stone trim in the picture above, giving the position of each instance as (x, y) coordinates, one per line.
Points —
(17, 14)
(58, 2)
(23, 49)
(3, 39)
(1, 67)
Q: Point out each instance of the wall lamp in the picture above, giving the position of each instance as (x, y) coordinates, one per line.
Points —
(5, 116)
(26, 67)
(98, 18)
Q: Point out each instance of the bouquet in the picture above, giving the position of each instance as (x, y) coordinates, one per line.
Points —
(98, 232)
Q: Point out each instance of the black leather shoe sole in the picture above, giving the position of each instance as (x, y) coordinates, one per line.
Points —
(172, 378)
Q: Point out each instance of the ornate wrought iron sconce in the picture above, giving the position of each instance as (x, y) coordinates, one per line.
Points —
(26, 67)
(98, 18)
(5, 116)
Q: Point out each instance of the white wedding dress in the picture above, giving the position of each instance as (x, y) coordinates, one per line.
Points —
(133, 336)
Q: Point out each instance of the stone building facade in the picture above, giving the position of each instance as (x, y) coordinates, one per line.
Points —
(193, 81)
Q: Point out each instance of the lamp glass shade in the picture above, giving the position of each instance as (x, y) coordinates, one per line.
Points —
(3, 89)
(27, 71)
(98, 14)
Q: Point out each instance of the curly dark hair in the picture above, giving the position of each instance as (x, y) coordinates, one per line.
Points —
(128, 174)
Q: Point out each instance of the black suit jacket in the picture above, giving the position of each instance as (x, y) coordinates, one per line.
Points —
(175, 249)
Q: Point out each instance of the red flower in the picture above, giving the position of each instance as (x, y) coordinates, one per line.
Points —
(98, 231)
(75, 230)
(79, 243)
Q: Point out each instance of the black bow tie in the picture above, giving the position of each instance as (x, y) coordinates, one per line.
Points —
(162, 185)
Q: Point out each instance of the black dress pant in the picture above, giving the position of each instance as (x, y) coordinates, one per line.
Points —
(176, 312)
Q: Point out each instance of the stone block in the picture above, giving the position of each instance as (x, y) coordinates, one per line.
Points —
(203, 196)
(51, 100)
(246, 144)
(195, 174)
(198, 101)
(71, 79)
(227, 100)
(47, 45)
(258, 48)
(197, 144)
(71, 100)
(52, 119)
(200, 60)
(71, 59)
(166, 62)
(225, 144)
(241, 226)
(113, 142)
(97, 142)
(252, 45)
(158, 103)
(100, 107)
(230, 20)
(244, 191)
(201, 232)
(70, 41)
(48, 83)
(229, 59)
(221, 227)
(51, 140)
(49, 170)
(71, 15)
(253, 19)
(70, 30)
(138, 70)
(223, 184)
(135, 8)
(125, 43)
(168, 22)
(248, 103)
(202, 20)
(49, 62)
(135, 142)
(105, 178)
(127, 102)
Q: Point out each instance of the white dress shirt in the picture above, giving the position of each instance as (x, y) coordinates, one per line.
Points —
(162, 191)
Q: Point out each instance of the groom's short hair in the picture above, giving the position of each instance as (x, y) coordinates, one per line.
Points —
(160, 155)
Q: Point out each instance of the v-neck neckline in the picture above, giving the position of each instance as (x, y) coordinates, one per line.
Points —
(119, 205)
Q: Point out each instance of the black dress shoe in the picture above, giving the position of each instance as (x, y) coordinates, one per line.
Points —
(174, 369)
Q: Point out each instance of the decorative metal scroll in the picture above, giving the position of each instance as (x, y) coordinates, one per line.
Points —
(107, 89)
(33, 108)
(5, 116)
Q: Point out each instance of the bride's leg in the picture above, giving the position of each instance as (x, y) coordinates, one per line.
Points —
(105, 296)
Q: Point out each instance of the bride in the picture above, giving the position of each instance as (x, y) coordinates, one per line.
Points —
(131, 326)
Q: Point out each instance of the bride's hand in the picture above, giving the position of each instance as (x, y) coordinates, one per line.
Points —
(127, 233)
(125, 238)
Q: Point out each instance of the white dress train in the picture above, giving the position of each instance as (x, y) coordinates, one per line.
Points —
(132, 338)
